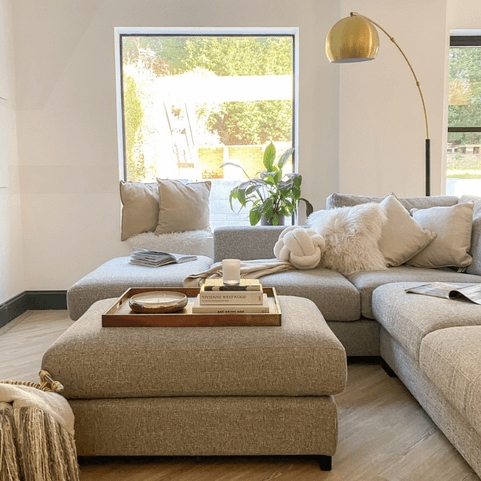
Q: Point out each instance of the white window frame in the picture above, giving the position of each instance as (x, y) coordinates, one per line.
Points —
(268, 31)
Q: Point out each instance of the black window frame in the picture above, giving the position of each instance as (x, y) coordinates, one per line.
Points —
(464, 41)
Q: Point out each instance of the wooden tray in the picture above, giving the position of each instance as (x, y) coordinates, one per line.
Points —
(120, 314)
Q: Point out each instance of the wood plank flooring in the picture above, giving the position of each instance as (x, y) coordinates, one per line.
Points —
(384, 435)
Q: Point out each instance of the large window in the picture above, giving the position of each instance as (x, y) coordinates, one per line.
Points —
(463, 174)
(193, 100)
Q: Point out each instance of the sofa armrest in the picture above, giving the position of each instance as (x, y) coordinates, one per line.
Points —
(245, 242)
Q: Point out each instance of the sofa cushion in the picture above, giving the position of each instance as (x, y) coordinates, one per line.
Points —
(453, 226)
(475, 267)
(402, 237)
(183, 207)
(333, 294)
(346, 200)
(302, 357)
(140, 207)
(115, 276)
(451, 359)
(366, 282)
(409, 318)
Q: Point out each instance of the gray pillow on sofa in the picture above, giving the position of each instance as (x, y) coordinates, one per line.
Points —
(402, 237)
(140, 207)
(183, 207)
(475, 267)
(453, 226)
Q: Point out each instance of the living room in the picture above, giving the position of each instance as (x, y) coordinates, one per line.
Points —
(361, 127)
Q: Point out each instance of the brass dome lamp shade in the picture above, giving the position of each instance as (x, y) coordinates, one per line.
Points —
(355, 39)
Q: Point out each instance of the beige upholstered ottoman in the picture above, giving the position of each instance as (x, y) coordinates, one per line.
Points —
(200, 391)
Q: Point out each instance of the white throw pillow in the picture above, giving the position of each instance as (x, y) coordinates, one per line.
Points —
(402, 237)
(352, 235)
(453, 226)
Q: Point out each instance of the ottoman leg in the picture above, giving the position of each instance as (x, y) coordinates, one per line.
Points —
(325, 462)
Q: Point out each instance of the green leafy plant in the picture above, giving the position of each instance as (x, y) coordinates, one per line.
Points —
(272, 194)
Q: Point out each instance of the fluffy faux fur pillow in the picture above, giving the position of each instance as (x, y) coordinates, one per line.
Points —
(352, 235)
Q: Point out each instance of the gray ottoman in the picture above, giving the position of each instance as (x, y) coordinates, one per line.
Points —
(200, 391)
(114, 277)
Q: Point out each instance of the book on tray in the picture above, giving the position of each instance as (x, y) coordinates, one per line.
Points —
(244, 285)
(150, 258)
(229, 308)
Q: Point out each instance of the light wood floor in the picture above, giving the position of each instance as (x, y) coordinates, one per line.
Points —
(384, 435)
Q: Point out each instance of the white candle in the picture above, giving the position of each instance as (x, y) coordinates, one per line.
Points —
(231, 271)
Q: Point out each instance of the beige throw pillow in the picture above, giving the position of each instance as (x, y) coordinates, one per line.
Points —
(402, 237)
(140, 207)
(453, 227)
(183, 207)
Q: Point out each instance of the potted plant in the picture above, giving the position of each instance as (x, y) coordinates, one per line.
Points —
(273, 195)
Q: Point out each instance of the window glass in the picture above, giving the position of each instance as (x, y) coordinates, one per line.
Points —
(463, 173)
(191, 103)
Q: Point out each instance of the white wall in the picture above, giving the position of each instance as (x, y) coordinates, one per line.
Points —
(66, 116)
(12, 279)
(382, 130)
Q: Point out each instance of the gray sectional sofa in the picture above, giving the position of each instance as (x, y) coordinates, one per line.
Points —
(432, 344)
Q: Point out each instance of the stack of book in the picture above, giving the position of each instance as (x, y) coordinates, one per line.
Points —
(216, 298)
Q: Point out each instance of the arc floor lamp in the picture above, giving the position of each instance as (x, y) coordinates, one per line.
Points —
(355, 39)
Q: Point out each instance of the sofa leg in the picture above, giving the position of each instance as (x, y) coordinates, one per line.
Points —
(387, 369)
(325, 462)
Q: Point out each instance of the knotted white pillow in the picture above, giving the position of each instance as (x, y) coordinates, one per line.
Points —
(301, 247)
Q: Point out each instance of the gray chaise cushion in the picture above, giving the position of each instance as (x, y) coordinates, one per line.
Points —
(451, 358)
(114, 277)
(366, 282)
(408, 318)
(302, 357)
(333, 294)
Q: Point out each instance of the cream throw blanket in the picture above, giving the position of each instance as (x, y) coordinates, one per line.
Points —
(36, 435)
(249, 270)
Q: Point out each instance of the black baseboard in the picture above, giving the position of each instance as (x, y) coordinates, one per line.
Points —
(31, 300)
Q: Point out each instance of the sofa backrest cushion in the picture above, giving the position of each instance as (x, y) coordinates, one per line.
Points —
(475, 267)
(346, 200)
(245, 242)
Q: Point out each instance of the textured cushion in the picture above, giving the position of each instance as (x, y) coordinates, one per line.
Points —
(475, 267)
(206, 426)
(345, 200)
(352, 235)
(245, 242)
(183, 207)
(302, 357)
(451, 359)
(333, 294)
(115, 276)
(402, 237)
(409, 318)
(140, 207)
(366, 282)
(453, 227)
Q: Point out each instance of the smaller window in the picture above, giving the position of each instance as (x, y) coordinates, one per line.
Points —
(463, 169)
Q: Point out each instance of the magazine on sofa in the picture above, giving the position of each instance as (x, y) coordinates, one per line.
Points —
(471, 292)
(149, 258)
